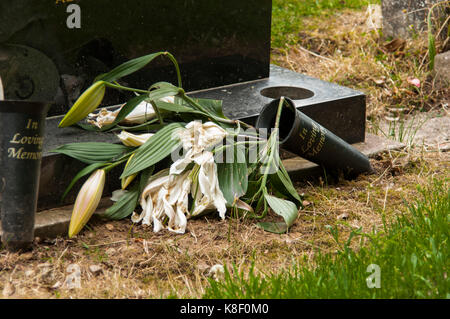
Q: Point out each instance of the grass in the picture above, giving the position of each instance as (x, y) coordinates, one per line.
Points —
(412, 255)
(287, 16)
(336, 44)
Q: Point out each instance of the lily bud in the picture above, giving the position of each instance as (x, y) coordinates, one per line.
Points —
(133, 140)
(86, 103)
(127, 180)
(87, 201)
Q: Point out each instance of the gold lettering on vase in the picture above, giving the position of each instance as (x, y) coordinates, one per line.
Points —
(19, 152)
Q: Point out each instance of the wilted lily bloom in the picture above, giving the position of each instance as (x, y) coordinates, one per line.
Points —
(206, 191)
(133, 140)
(87, 201)
(142, 113)
(197, 138)
(165, 198)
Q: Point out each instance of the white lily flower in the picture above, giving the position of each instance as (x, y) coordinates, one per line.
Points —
(134, 140)
(210, 195)
(165, 196)
(197, 138)
(165, 199)
(142, 113)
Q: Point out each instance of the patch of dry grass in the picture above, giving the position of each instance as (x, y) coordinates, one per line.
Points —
(344, 49)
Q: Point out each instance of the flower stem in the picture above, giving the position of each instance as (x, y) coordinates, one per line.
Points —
(121, 87)
(177, 67)
(158, 113)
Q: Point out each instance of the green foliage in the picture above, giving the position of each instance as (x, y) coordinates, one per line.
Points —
(85, 171)
(93, 152)
(127, 203)
(125, 206)
(287, 16)
(412, 253)
(233, 177)
(154, 150)
(286, 209)
(134, 65)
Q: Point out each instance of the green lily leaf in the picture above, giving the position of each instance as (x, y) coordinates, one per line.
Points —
(145, 176)
(125, 206)
(154, 150)
(212, 106)
(150, 126)
(233, 177)
(162, 89)
(92, 152)
(175, 107)
(129, 67)
(285, 209)
(86, 171)
(282, 182)
(86, 103)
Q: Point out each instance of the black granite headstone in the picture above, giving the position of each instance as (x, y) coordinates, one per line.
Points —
(53, 49)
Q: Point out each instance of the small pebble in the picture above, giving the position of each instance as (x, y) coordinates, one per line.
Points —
(109, 227)
(95, 269)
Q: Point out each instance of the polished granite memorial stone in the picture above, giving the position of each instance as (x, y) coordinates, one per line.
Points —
(53, 50)
(223, 48)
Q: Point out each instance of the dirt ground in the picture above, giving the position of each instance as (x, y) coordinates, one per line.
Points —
(121, 260)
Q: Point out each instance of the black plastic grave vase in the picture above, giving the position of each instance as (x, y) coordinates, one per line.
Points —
(305, 137)
(22, 125)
